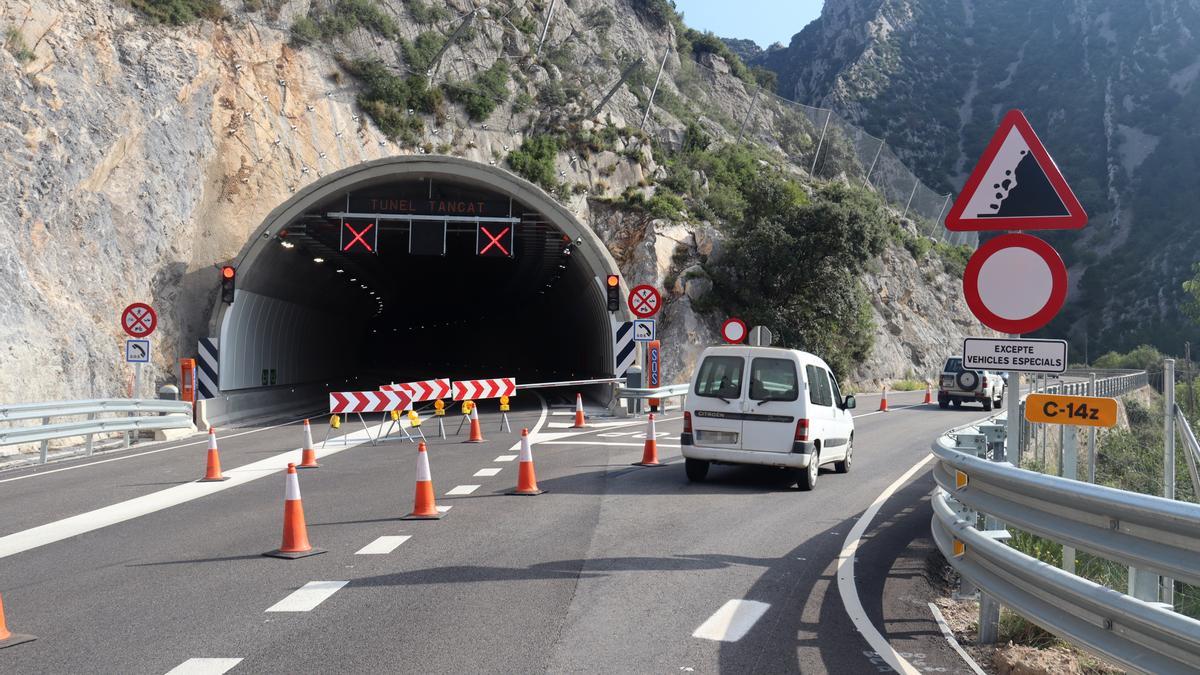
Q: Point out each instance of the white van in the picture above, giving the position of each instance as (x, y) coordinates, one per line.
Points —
(763, 405)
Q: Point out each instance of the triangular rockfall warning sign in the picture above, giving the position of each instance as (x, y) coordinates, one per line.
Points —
(1015, 186)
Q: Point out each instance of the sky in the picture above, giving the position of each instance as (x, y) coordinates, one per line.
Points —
(764, 21)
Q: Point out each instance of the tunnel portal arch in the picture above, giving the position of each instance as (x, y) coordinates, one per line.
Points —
(307, 311)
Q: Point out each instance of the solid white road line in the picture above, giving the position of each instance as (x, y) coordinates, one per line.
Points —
(143, 454)
(383, 545)
(623, 445)
(308, 596)
(941, 621)
(462, 490)
(891, 408)
(204, 666)
(156, 501)
(485, 473)
(732, 621)
(845, 577)
(505, 458)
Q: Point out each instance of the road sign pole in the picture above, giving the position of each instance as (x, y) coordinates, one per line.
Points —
(1014, 418)
(1167, 586)
(137, 380)
(1092, 434)
(1070, 460)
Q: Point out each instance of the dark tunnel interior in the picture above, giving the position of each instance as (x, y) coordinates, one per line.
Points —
(415, 279)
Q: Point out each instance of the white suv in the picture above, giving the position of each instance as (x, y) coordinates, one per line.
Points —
(958, 385)
(763, 405)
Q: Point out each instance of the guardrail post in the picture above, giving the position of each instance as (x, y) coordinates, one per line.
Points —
(1070, 454)
(90, 437)
(45, 453)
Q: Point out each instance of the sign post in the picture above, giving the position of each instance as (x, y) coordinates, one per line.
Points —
(1015, 283)
(138, 320)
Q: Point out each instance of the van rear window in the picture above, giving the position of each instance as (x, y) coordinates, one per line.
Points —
(720, 377)
(953, 365)
(773, 380)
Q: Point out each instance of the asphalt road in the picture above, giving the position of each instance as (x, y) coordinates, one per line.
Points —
(614, 569)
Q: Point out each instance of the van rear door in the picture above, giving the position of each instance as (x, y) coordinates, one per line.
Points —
(769, 424)
(716, 399)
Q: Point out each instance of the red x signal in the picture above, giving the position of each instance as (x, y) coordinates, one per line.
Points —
(358, 237)
(494, 242)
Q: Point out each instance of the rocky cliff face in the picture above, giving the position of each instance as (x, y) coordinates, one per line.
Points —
(139, 157)
(1110, 86)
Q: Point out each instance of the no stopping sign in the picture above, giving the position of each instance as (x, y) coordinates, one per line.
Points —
(1015, 283)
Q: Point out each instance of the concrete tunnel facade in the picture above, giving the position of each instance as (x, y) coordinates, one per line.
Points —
(311, 314)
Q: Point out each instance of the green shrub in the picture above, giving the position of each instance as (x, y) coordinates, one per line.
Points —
(419, 53)
(344, 17)
(426, 14)
(15, 44)
(534, 160)
(388, 97)
(481, 96)
(1143, 357)
(179, 12)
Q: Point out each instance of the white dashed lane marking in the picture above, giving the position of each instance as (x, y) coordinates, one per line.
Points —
(488, 472)
(505, 458)
(382, 545)
(204, 667)
(462, 490)
(443, 509)
(732, 621)
(308, 596)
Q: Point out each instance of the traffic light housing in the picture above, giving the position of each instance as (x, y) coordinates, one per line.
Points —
(614, 292)
(227, 280)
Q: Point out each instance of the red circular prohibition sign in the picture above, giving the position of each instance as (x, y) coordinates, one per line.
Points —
(139, 320)
(1015, 325)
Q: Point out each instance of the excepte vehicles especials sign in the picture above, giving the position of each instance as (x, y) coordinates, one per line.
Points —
(1029, 356)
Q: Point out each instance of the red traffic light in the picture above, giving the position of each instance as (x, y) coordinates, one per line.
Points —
(613, 280)
(227, 272)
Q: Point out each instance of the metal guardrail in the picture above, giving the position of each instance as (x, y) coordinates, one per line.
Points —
(670, 391)
(1147, 532)
(1191, 450)
(144, 414)
(570, 383)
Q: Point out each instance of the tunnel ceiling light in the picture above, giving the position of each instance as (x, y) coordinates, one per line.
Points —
(318, 260)
(340, 271)
(353, 279)
(363, 285)
(287, 244)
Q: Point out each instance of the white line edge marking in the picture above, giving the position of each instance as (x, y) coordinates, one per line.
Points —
(488, 472)
(462, 490)
(142, 454)
(941, 621)
(383, 545)
(613, 443)
(732, 621)
(845, 576)
(307, 597)
(204, 666)
(129, 509)
(505, 458)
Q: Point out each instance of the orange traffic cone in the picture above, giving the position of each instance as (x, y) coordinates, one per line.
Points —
(579, 419)
(928, 393)
(883, 401)
(308, 455)
(476, 432)
(650, 449)
(213, 472)
(295, 532)
(424, 505)
(526, 479)
(8, 638)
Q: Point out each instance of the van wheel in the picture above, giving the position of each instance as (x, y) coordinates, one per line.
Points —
(957, 403)
(697, 469)
(807, 479)
(843, 466)
(1000, 401)
(987, 404)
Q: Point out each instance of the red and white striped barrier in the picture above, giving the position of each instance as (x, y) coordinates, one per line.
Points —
(474, 389)
(425, 390)
(367, 401)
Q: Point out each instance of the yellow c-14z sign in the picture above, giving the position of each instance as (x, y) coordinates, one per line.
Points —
(1089, 411)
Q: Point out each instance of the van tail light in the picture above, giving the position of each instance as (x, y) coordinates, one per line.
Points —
(802, 429)
(687, 422)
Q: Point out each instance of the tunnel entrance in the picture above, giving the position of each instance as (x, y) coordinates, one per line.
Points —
(413, 268)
